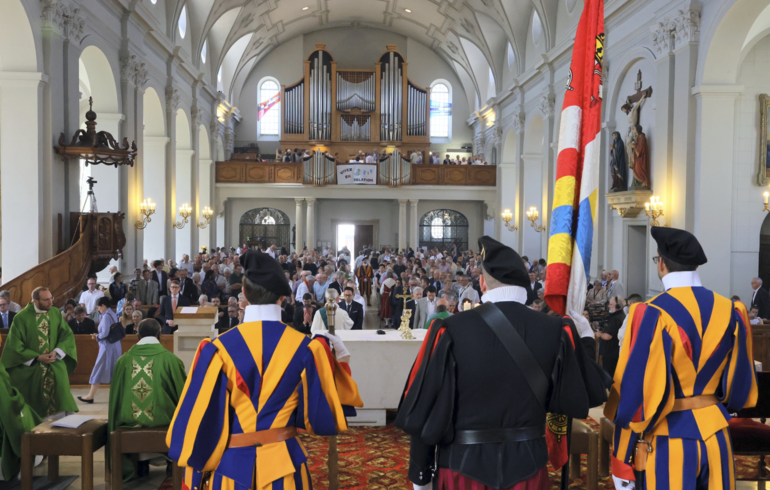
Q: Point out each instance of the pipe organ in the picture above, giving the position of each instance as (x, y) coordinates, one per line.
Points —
(344, 110)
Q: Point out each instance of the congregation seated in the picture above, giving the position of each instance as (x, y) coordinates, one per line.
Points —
(81, 324)
(161, 375)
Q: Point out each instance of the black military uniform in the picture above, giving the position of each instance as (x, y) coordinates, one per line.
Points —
(489, 426)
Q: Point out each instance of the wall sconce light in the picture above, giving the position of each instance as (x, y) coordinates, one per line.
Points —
(185, 211)
(533, 216)
(654, 210)
(207, 214)
(147, 208)
(767, 194)
(507, 218)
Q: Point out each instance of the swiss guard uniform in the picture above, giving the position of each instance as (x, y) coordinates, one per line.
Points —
(483, 383)
(686, 361)
(248, 392)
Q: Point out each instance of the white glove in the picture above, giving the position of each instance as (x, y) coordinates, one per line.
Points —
(339, 347)
(621, 484)
(583, 327)
(429, 486)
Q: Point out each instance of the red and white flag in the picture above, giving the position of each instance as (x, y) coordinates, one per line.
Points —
(268, 104)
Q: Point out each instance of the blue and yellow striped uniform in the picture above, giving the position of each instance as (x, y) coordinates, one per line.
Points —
(685, 342)
(258, 376)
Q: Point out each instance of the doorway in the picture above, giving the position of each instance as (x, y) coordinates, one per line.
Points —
(636, 274)
(346, 238)
(355, 237)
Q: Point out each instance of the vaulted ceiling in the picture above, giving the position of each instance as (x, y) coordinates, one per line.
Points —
(471, 35)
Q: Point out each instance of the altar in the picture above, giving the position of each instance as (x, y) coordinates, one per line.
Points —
(380, 366)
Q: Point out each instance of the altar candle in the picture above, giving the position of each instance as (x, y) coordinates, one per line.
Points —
(646, 206)
(766, 195)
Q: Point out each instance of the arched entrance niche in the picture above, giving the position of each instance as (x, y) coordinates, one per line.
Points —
(532, 186)
(205, 169)
(155, 141)
(184, 190)
(21, 99)
(264, 227)
(441, 228)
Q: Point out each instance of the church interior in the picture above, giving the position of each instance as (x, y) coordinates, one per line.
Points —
(335, 131)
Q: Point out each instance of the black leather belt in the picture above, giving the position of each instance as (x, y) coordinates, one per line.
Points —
(496, 436)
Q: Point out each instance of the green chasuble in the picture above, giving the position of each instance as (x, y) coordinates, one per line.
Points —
(442, 315)
(45, 387)
(146, 386)
(16, 418)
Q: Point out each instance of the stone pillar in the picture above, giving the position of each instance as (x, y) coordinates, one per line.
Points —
(154, 188)
(133, 76)
(184, 195)
(713, 217)
(415, 223)
(310, 237)
(299, 236)
(402, 224)
(169, 196)
(549, 165)
(205, 199)
(21, 162)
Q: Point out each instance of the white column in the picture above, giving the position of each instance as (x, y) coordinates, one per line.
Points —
(713, 216)
(204, 199)
(155, 190)
(508, 173)
(184, 168)
(21, 162)
(402, 224)
(415, 225)
(310, 240)
(533, 195)
(299, 237)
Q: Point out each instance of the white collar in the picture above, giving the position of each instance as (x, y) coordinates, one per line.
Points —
(686, 279)
(505, 293)
(148, 340)
(262, 313)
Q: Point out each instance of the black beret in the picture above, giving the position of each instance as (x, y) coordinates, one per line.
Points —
(678, 245)
(264, 270)
(503, 263)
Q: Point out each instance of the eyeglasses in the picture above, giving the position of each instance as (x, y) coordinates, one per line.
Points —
(656, 259)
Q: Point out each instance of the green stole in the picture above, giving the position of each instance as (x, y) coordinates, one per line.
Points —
(146, 386)
(442, 315)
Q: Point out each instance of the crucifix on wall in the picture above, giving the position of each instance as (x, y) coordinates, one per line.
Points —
(636, 141)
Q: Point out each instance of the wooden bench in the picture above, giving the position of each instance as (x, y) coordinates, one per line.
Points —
(606, 433)
(45, 440)
(584, 441)
(140, 440)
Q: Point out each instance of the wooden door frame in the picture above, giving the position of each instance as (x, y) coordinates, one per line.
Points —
(375, 223)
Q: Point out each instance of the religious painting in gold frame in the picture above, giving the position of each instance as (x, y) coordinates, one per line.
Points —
(763, 166)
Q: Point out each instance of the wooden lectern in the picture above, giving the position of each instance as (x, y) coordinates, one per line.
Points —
(195, 324)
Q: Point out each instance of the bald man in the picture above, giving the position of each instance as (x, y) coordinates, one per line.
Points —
(442, 311)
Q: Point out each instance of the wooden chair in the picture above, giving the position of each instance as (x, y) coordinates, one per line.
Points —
(584, 441)
(606, 432)
(45, 440)
(133, 441)
(749, 437)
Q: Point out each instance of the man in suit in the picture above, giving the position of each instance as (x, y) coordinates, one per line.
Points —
(534, 286)
(337, 284)
(411, 305)
(147, 289)
(6, 314)
(760, 298)
(161, 277)
(616, 287)
(228, 321)
(81, 324)
(425, 308)
(303, 315)
(169, 305)
(188, 288)
(354, 310)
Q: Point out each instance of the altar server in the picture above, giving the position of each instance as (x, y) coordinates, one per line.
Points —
(248, 392)
(489, 427)
(685, 363)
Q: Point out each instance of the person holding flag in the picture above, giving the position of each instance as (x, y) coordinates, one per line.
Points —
(483, 424)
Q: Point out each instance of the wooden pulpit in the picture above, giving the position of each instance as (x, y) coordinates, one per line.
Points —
(194, 324)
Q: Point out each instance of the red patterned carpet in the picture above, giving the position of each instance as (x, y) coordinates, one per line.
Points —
(377, 458)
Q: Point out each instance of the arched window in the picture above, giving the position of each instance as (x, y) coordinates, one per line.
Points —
(269, 116)
(442, 228)
(440, 110)
(203, 51)
(265, 227)
(183, 22)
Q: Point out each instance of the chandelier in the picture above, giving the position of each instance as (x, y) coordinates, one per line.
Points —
(96, 148)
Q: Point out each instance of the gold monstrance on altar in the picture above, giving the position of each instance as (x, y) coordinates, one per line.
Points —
(406, 332)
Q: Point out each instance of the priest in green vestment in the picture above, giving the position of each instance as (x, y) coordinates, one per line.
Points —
(40, 354)
(147, 383)
(16, 418)
(442, 312)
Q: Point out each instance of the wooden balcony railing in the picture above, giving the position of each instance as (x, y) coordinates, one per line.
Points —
(247, 172)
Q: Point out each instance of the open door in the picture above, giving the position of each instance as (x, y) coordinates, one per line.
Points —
(364, 237)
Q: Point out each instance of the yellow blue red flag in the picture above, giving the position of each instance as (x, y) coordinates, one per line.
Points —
(577, 170)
